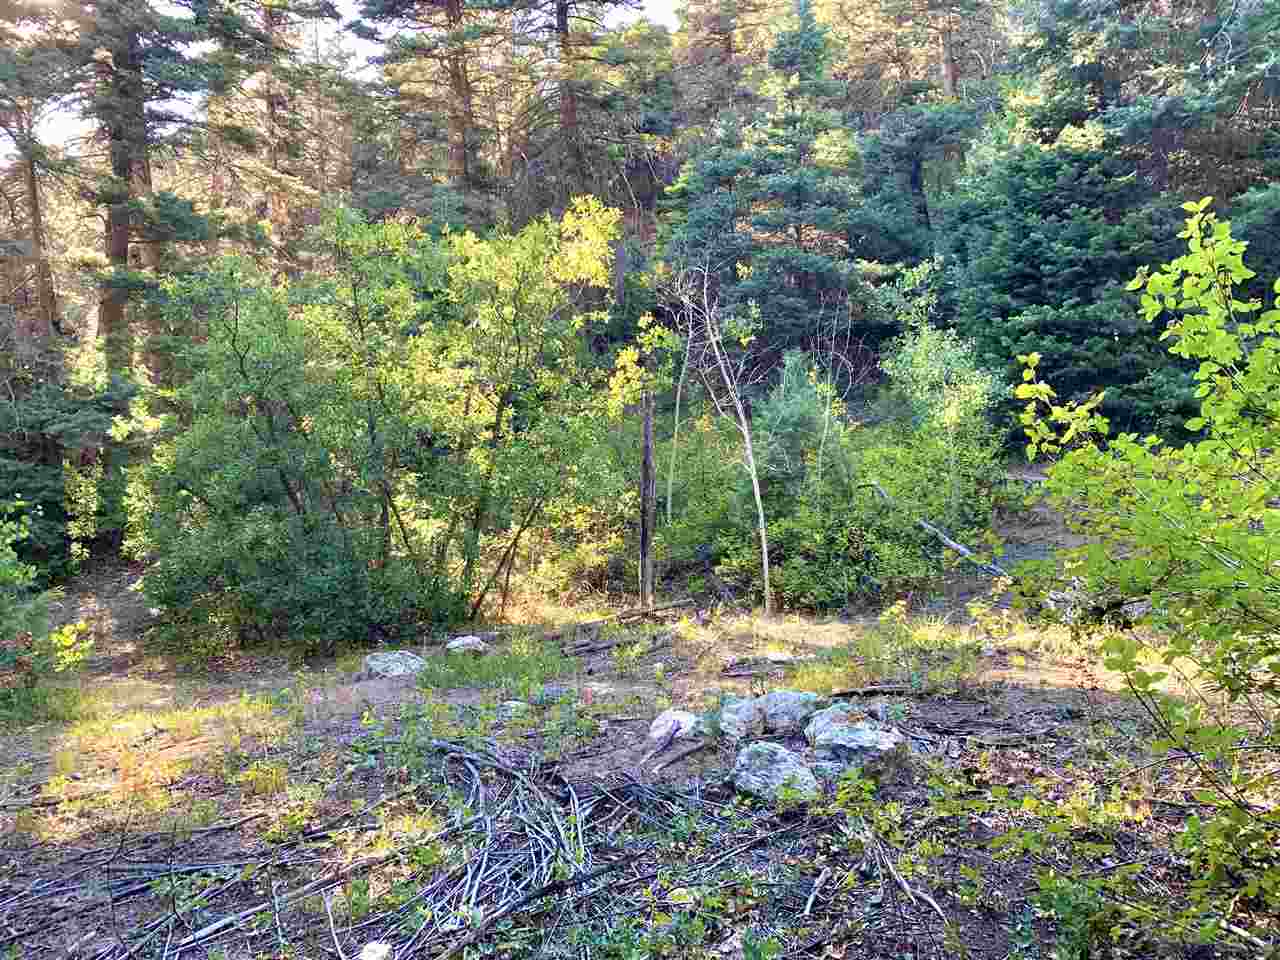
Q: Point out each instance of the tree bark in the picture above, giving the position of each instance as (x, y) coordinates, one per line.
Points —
(461, 109)
(648, 503)
(748, 451)
(568, 90)
(126, 133)
(675, 429)
(44, 276)
(947, 59)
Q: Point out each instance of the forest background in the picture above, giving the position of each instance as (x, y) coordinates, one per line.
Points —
(338, 342)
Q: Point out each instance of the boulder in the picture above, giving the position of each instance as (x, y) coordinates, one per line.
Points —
(857, 743)
(786, 711)
(392, 663)
(837, 713)
(684, 724)
(469, 644)
(764, 769)
(740, 719)
(510, 710)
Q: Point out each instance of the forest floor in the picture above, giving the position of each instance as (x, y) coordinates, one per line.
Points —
(262, 807)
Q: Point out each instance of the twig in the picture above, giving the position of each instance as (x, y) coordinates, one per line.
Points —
(544, 891)
(275, 912)
(333, 931)
(817, 885)
(667, 740)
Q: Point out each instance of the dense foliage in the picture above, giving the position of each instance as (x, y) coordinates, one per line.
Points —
(364, 447)
(887, 202)
(1190, 531)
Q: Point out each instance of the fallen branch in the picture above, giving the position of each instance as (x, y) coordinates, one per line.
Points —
(992, 568)
(658, 643)
(632, 614)
(686, 752)
(51, 801)
(874, 690)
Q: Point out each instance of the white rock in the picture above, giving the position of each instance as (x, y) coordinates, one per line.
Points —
(787, 710)
(392, 663)
(764, 769)
(684, 724)
(742, 718)
(856, 743)
(375, 951)
(469, 644)
(837, 713)
(512, 710)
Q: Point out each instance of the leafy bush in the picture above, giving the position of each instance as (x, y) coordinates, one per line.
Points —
(365, 448)
(58, 428)
(843, 499)
(1191, 530)
(29, 652)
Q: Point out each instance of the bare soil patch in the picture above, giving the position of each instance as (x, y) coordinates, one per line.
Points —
(262, 809)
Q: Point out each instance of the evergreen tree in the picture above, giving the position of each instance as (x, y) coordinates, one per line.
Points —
(766, 207)
(1039, 246)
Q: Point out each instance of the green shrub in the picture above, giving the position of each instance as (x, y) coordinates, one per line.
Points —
(29, 652)
(363, 450)
(843, 499)
(1191, 530)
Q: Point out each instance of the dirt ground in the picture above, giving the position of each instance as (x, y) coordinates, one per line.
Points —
(261, 766)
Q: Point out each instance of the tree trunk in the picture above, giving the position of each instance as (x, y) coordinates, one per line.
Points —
(568, 90)
(460, 109)
(917, 190)
(44, 276)
(748, 451)
(947, 60)
(675, 429)
(113, 319)
(648, 504)
(126, 133)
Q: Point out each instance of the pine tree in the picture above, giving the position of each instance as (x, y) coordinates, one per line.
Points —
(767, 206)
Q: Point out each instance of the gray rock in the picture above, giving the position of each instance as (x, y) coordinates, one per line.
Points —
(598, 691)
(763, 769)
(392, 663)
(837, 713)
(740, 719)
(512, 710)
(856, 743)
(469, 644)
(786, 711)
(684, 723)
(552, 693)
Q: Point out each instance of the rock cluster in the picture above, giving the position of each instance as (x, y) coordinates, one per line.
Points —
(402, 663)
(840, 736)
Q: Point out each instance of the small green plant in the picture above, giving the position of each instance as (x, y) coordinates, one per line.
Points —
(264, 778)
(757, 948)
(30, 654)
(526, 663)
